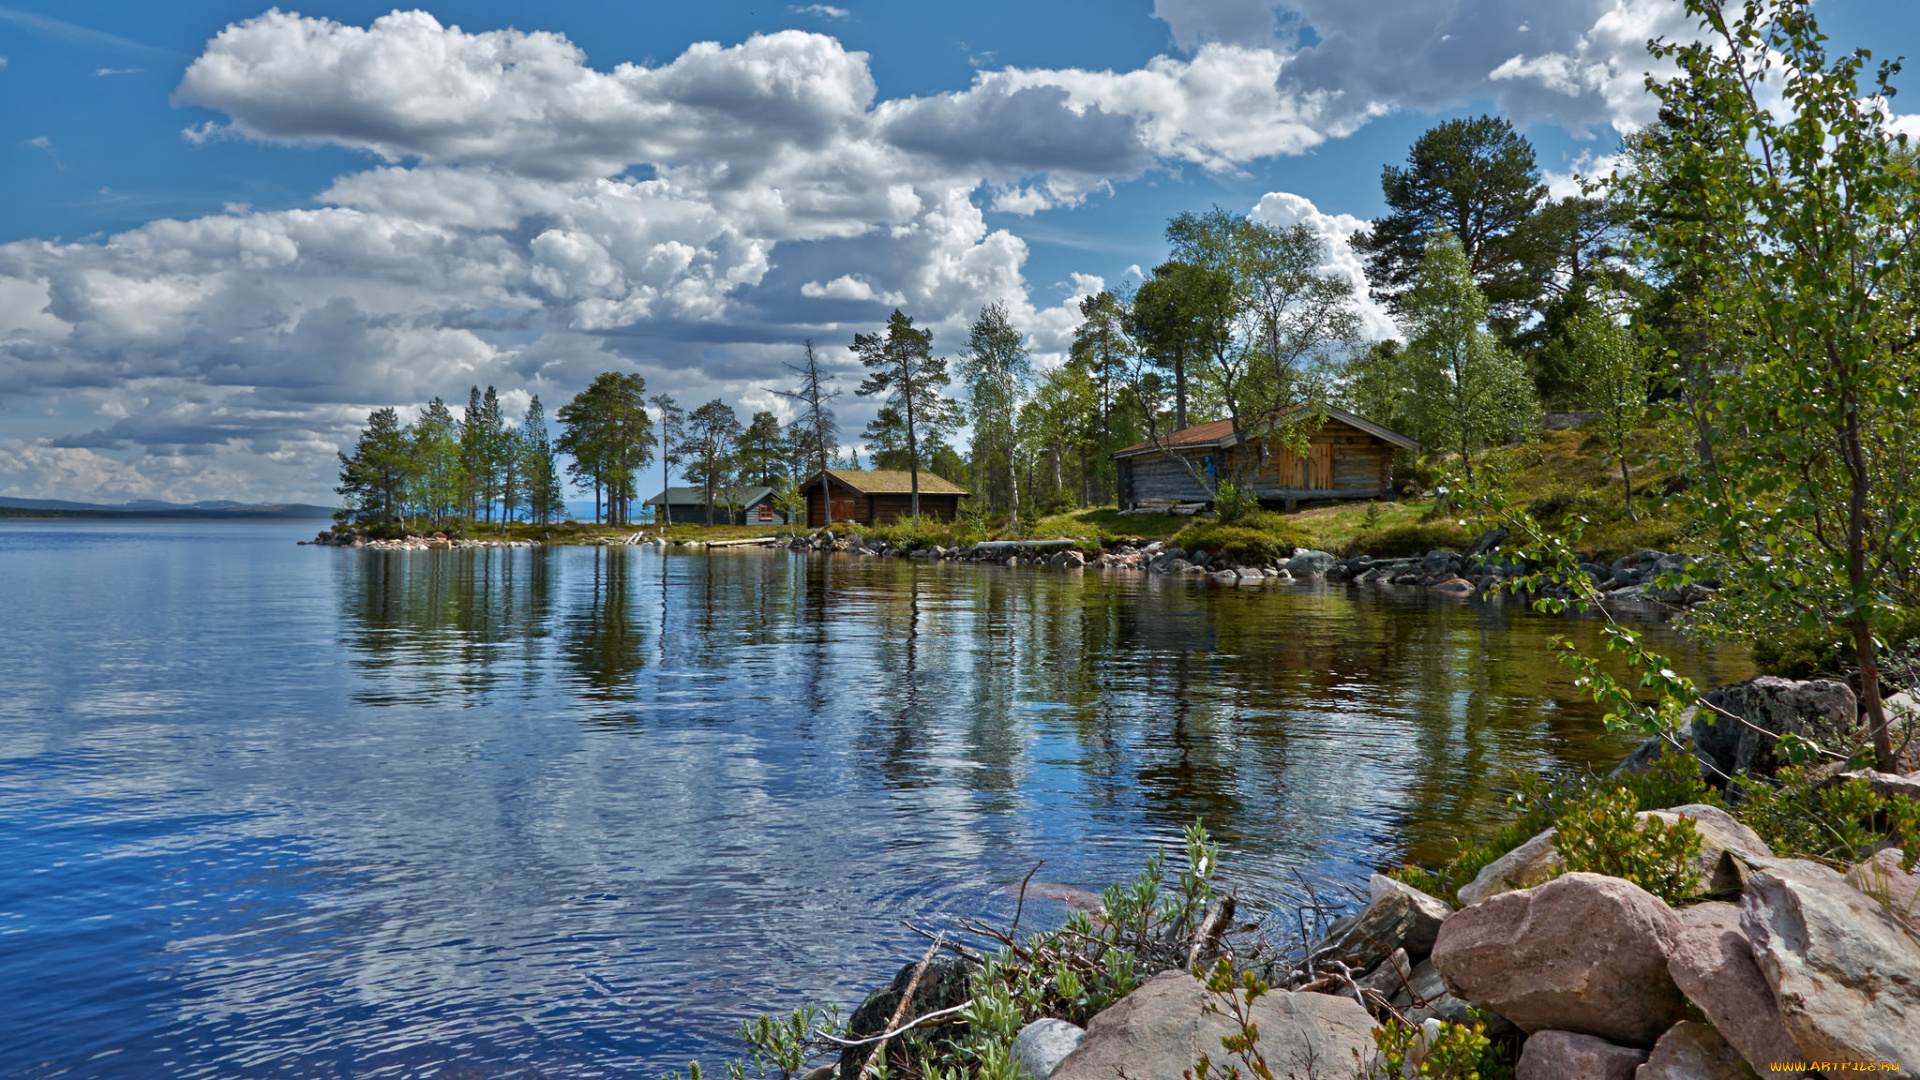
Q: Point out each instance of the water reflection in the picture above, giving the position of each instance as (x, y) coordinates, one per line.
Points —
(1289, 717)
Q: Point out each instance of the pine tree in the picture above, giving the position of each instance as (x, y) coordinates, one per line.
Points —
(902, 366)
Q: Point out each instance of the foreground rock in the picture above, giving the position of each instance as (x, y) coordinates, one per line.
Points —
(1712, 963)
(1042, 1045)
(1160, 1030)
(1583, 953)
(1530, 864)
(1564, 1055)
(944, 984)
(1845, 972)
(1398, 917)
(1690, 1051)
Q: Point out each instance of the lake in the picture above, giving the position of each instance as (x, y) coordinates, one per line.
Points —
(279, 811)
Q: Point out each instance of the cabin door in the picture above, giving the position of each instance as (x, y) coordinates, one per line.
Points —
(846, 507)
(1320, 471)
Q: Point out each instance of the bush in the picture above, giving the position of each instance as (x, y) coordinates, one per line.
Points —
(1456, 1052)
(1845, 822)
(1258, 537)
(1600, 835)
(1232, 504)
(1401, 541)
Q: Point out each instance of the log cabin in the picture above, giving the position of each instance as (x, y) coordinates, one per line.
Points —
(742, 506)
(878, 496)
(1348, 457)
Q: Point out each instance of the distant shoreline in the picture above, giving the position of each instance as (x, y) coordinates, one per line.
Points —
(249, 513)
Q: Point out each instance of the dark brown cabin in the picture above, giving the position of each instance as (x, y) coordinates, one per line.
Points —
(1349, 457)
(878, 496)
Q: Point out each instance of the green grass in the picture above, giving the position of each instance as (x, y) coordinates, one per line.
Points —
(1108, 523)
(1260, 537)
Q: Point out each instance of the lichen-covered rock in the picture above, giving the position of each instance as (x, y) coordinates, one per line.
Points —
(1583, 953)
(1564, 1055)
(1530, 864)
(1307, 563)
(1693, 1051)
(1042, 1045)
(1160, 1030)
(1822, 710)
(1845, 971)
(1712, 963)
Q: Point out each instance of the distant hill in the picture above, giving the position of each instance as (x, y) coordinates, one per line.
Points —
(150, 508)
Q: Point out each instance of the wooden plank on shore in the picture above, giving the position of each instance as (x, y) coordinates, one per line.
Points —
(1001, 545)
(751, 541)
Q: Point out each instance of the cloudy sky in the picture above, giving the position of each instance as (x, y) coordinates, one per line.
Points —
(227, 232)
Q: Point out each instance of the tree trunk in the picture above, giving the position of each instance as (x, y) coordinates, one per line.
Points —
(1013, 485)
(1179, 388)
(1858, 621)
(1627, 478)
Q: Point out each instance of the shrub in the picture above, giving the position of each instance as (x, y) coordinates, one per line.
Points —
(1416, 539)
(1844, 822)
(1232, 504)
(1453, 1052)
(1258, 537)
(1599, 834)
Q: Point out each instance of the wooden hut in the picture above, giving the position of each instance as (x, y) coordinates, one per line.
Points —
(742, 506)
(878, 496)
(1347, 457)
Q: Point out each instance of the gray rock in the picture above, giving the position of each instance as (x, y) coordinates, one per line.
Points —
(1309, 563)
(1845, 971)
(945, 983)
(1712, 963)
(1486, 542)
(1582, 953)
(1389, 977)
(1441, 563)
(1821, 710)
(1884, 785)
(1567, 1055)
(1430, 999)
(1692, 1051)
(1528, 865)
(1160, 1030)
(1397, 917)
(1043, 1044)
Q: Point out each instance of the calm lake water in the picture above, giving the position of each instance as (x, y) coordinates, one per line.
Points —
(275, 811)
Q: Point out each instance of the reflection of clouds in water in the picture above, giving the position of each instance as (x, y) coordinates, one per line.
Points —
(584, 809)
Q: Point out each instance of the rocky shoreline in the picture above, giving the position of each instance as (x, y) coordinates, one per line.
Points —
(1761, 966)
(1479, 571)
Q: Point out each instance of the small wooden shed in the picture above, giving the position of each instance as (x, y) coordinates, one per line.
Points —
(688, 506)
(1348, 457)
(878, 496)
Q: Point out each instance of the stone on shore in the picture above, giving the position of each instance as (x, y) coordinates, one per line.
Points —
(945, 983)
(1042, 1045)
(1692, 1051)
(1845, 971)
(1884, 785)
(1160, 1030)
(1712, 963)
(1897, 890)
(1528, 865)
(1565, 1055)
(1721, 838)
(1399, 917)
(1822, 710)
(1583, 953)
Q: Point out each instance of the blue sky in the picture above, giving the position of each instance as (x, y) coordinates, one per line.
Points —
(227, 231)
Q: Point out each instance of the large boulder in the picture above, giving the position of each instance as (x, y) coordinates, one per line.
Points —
(1397, 917)
(1042, 1045)
(1845, 971)
(1160, 1030)
(946, 982)
(1897, 890)
(1307, 563)
(1692, 1051)
(1565, 1055)
(1583, 953)
(1530, 864)
(1712, 963)
(1819, 709)
(1883, 785)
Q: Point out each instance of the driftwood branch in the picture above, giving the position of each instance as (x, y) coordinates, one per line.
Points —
(937, 1014)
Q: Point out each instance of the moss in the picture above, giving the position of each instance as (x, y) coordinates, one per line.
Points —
(1259, 537)
(1417, 538)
